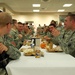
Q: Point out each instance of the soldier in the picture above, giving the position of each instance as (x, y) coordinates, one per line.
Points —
(14, 34)
(66, 38)
(7, 50)
(32, 29)
(27, 32)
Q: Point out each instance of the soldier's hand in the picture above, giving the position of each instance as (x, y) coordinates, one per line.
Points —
(3, 48)
(54, 31)
(20, 36)
(46, 38)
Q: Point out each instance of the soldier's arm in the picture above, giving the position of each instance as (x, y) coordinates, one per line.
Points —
(2, 48)
(71, 45)
(13, 52)
(57, 39)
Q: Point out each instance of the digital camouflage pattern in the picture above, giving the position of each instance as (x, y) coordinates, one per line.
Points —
(67, 41)
(12, 52)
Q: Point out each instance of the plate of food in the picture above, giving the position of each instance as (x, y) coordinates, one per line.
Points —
(29, 52)
(24, 48)
(32, 52)
(54, 49)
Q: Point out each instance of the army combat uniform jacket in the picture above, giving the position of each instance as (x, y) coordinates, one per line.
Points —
(67, 41)
(12, 52)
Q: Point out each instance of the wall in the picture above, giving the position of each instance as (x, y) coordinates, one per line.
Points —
(38, 18)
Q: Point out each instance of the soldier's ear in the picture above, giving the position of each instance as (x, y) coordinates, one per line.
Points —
(8, 25)
(73, 22)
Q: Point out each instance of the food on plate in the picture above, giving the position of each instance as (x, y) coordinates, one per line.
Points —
(32, 52)
(43, 45)
(55, 49)
(29, 52)
(58, 48)
(22, 49)
(49, 49)
(51, 45)
(39, 54)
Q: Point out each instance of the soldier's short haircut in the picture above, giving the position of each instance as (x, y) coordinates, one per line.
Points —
(72, 16)
(5, 18)
(26, 23)
(14, 21)
(19, 22)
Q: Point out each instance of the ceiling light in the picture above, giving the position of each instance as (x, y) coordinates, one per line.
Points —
(67, 5)
(36, 5)
(36, 10)
(61, 10)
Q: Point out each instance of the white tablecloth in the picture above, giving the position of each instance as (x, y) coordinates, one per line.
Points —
(50, 64)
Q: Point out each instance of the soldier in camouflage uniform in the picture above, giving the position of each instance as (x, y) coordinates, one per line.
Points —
(27, 34)
(31, 27)
(7, 50)
(20, 34)
(49, 35)
(66, 38)
(14, 34)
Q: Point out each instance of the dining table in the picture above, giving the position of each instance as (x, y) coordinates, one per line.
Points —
(52, 63)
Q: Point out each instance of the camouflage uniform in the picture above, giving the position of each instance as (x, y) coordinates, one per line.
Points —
(40, 31)
(14, 35)
(67, 41)
(52, 37)
(59, 28)
(26, 36)
(32, 28)
(12, 52)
